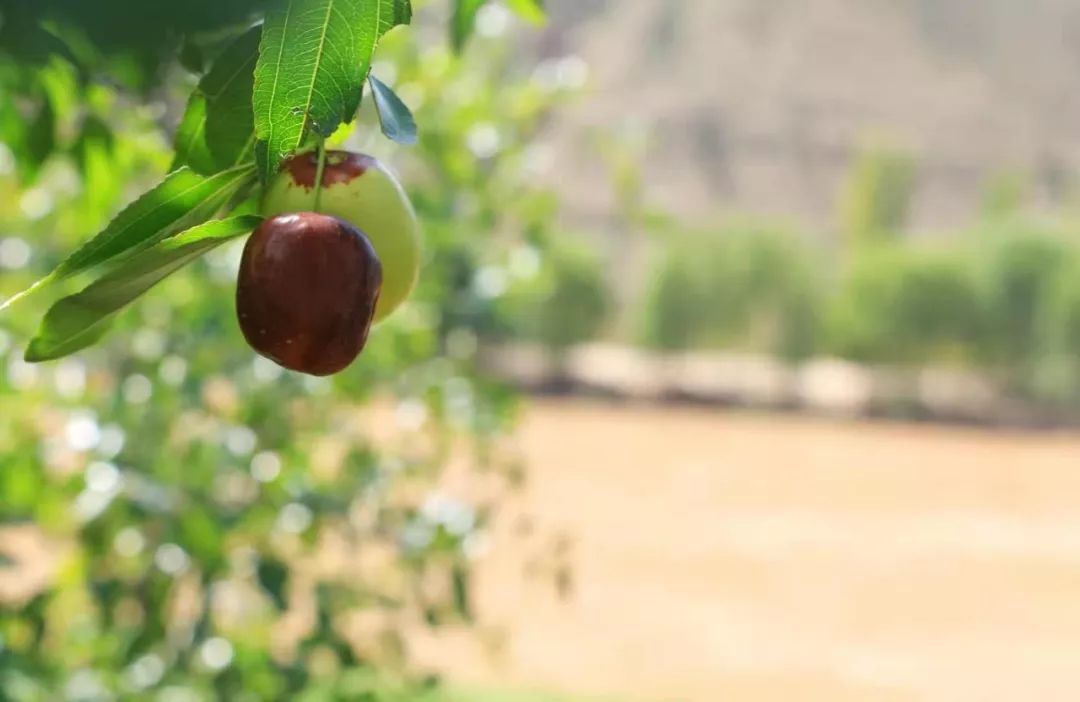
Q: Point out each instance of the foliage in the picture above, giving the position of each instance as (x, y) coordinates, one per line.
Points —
(63, 331)
(1056, 373)
(565, 301)
(1018, 263)
(218, 528)
(998, 297)
(739, 284)
(314, 58)
(276, 88)
(905, 305)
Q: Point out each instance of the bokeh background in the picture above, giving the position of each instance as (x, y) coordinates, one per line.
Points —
(745, 365)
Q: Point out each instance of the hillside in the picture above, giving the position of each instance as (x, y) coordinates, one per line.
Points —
(760, 106)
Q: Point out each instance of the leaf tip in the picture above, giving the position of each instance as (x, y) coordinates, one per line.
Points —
(35, 353)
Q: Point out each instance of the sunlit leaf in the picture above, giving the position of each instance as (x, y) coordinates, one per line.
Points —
(313, 60)
(81, 320)
(397, 121)
(94, 153)
(184, 199)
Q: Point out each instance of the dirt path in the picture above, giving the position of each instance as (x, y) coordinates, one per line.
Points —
(728, 557)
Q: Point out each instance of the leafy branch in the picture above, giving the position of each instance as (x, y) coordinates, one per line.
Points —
(277, 86)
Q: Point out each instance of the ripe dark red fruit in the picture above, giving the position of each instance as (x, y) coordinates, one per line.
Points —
(307, 291)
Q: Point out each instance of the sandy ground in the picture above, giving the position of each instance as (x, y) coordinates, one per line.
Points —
(718, 556)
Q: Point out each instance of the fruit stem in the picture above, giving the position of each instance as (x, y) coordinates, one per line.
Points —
(319, 171)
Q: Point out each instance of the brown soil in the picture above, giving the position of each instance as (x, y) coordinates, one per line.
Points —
(717, 557)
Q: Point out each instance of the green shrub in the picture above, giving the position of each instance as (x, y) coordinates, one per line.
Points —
(676, 310)
(579, 301)
(744, 286)
(566, 301)
(1056, 372)
(1017, 265)
(903, 305)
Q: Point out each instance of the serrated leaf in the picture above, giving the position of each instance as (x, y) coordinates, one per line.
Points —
(397, 121)
(463, 21)
(218, 128)
(80, 320)
(529, 10)
(184, 199)
(313, 60)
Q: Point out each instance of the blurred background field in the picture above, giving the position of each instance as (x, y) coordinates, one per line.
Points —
(626, 443)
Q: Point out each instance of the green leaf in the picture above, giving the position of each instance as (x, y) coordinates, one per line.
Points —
(273, 576)
(463, 21)
(80, 320)
(202, 537)
(41, 136)
(529, 10)
(314, 58)
(190, 141)
(184, 199)
(94, 152)
(230, 117)
(218, 128)
(398, 123)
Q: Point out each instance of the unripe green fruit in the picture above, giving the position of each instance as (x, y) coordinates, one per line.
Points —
(364, 193)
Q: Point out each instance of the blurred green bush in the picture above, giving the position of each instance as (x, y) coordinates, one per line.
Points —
(1000, 297)
(1018, 263)
(740, 285)
(560, 297)
(1055, 376)
(903, 305)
